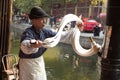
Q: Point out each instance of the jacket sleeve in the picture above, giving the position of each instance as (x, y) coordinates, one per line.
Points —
(26, 47)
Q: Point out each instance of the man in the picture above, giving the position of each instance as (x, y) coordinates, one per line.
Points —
(97, 30)
(31, 63)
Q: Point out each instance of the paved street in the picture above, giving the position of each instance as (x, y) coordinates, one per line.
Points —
(85, 34)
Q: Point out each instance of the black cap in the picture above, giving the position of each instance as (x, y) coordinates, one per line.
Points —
(37, 12)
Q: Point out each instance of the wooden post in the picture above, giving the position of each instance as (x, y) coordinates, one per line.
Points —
(76, 7)
(5, 26)
(64, 7)
(51, 11)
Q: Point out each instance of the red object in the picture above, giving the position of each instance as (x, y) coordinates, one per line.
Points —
(89, 24)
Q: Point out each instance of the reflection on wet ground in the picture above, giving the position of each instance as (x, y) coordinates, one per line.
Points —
(62, 63)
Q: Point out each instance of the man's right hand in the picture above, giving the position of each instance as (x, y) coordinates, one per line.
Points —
(36, 43)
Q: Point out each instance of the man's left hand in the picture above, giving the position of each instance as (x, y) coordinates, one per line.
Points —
(80, 26)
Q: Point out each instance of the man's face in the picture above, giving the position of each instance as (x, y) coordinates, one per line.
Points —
(39, 23)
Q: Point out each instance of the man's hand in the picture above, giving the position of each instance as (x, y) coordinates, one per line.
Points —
(36, 43)
(80, 26)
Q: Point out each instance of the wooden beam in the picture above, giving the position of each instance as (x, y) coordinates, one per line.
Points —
(5, 28)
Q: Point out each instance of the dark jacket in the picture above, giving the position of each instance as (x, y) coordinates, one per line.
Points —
(31, 33)
(96, 30)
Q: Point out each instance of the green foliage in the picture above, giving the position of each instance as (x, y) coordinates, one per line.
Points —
(95, 2)
(26, 5)
(46, 5)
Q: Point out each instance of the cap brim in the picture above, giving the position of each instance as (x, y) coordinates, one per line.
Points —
(31, 16)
